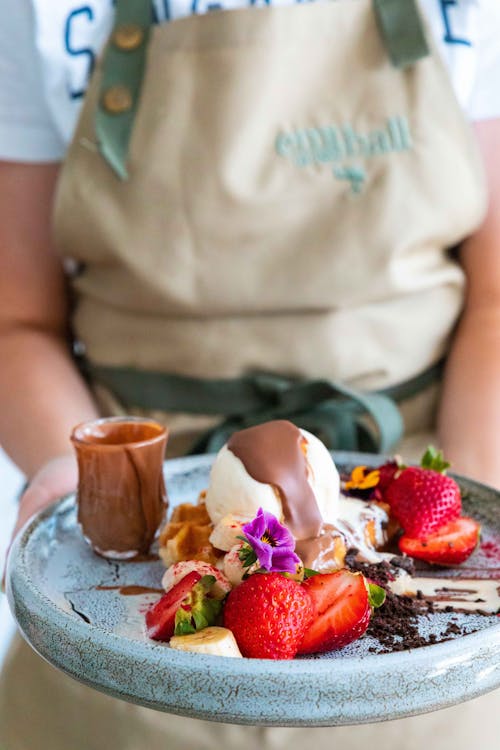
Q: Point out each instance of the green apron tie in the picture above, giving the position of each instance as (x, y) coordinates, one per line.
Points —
(124, 63)
(343, 418)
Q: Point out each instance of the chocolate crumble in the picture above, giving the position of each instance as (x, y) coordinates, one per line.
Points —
(395, 625)
(380, 573)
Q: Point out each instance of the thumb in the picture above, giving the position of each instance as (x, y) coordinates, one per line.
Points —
(54, 480)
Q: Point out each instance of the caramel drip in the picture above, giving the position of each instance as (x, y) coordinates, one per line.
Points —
(463, 595)
(131, 590)
(272, 454)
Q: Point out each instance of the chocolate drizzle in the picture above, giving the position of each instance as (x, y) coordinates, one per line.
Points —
(131, 590)
(272, 453)
(322, 551)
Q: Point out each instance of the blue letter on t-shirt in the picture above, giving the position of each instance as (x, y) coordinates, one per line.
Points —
(448, 36)
(74, 52)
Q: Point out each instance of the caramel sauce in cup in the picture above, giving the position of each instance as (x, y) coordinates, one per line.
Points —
(121, 491)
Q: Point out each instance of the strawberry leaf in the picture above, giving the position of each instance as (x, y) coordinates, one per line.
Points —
(200, 621)
(183, 624)
(206, 583)
(198, 610)
(309, 573)
(247, 555)
(376, 595)
(434, 459)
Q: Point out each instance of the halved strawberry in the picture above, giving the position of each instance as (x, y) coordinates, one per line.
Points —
(450, 545)
(160, 618)
(179, 570)
(342, 611)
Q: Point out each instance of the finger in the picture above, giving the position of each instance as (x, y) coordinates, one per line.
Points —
(56, 479)
(4, 574)
(33, 500)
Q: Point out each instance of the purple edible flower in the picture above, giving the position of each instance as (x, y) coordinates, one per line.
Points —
(272, 543)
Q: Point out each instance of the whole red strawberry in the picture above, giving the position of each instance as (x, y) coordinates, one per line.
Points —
(423, 499)
(387, 474)
(268, 615)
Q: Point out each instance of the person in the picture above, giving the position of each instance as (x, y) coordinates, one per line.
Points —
(267, 197)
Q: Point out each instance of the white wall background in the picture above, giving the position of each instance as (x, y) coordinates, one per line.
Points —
(11, 482)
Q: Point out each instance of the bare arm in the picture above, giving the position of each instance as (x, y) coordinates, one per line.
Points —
(42, 395)
(469, 421)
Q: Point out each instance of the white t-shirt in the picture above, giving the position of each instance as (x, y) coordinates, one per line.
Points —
(47, 49)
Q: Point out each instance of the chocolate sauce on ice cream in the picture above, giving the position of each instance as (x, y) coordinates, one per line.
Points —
(272, 453)
(322, 551)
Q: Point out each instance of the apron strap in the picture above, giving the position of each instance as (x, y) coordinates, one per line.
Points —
(122, 72)
(402, 30)
(344, 418)
(124, 60)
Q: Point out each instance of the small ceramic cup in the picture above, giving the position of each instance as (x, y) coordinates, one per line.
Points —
(121, 491)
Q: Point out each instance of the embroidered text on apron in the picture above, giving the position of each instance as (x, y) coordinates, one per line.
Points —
(290, 199)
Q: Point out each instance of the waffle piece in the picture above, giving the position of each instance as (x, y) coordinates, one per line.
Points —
(190, 513)
(186, 535)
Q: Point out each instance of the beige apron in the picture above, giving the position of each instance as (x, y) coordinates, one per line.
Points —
(290, 204)
(290, 199)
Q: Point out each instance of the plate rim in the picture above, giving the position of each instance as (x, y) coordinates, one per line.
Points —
(218, 667)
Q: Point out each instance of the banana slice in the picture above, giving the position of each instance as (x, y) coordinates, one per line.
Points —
(179, 570)
(227, 530)
(213, 640)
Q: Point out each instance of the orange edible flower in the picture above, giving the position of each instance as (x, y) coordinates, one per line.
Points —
(362, 479)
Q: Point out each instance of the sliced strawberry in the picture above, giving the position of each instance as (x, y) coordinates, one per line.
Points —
(179, 570)
(160, 618)
(341, 611)
(451, 545)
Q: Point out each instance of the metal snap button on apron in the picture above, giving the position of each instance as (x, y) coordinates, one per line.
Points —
(127, 37)
(117, 99)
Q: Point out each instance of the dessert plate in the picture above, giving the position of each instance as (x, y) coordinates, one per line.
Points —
(84, 614)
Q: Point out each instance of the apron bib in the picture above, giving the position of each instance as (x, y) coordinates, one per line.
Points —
(289, 202)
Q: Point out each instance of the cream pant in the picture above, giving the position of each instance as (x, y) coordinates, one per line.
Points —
(43, 709)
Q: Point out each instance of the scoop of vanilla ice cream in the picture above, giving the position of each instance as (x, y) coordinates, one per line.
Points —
(323, 478)
(233, 490)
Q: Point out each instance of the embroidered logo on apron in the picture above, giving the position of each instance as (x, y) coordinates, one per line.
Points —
(344, 147)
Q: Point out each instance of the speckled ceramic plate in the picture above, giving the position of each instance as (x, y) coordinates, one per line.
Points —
(68, 604)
